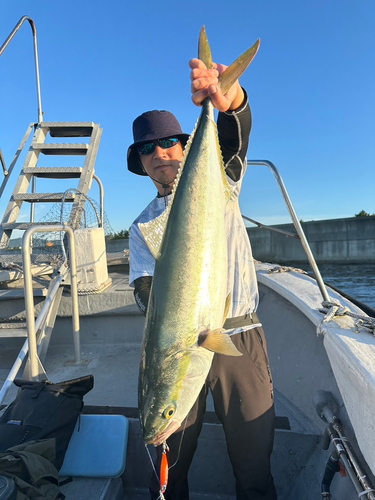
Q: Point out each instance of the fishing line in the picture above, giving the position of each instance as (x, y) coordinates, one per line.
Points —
(161, 496)
(180, 445)
(152, 463)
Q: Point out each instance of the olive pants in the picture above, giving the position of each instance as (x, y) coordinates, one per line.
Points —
(243, 399)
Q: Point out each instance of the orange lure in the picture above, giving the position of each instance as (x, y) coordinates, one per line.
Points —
(164, 469)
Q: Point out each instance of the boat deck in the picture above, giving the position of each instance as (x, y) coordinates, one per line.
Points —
(111, 334)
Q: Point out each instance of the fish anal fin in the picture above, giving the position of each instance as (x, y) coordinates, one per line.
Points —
(217, 341)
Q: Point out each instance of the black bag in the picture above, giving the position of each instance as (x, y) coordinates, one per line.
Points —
(43, 410)
(29, 468)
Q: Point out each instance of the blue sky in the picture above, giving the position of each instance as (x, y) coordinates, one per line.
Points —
(311, 89)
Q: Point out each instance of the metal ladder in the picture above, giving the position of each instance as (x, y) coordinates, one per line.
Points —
(10, 328)
(39, 332)
(31, 171)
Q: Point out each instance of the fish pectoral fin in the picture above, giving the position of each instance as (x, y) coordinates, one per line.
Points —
(217, 341)
(228, 302)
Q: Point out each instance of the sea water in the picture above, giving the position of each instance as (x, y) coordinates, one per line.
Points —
(357, 280)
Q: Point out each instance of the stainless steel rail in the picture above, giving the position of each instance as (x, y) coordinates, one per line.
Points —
(7, 42)
(25, 348)
(101, 191)
(16, 156)
(3, 164)
(296, 223)
(280, 231)
(29, 298)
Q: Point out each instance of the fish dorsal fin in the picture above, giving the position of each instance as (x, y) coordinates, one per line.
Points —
(236, 69)
(217, 341)
(153, 232)
(204, 51)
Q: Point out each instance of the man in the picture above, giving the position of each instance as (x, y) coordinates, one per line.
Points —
(241, 386)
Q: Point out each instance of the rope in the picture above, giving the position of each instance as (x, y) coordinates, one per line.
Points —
(333, 309)
(285, 269)
(366, 492)
(95, 289)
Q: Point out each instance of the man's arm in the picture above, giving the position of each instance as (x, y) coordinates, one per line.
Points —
(234, 130)
(141, 268)
(142, 287)
(234, 121)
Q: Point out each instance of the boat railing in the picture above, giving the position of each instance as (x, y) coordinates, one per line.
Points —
(15, 159)
(29, 298)
(7, 42)
(36, 369)
(300, 234)
(6, 171)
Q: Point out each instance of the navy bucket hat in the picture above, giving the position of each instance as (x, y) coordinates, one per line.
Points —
(148, 127)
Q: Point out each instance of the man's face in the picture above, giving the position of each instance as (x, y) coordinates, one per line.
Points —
(162, 165)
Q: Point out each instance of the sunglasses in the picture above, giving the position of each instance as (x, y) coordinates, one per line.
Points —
(149, 147)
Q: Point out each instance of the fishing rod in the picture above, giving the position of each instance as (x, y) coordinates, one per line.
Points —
(341, 451)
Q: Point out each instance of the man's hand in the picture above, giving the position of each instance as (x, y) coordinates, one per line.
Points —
(204, 83)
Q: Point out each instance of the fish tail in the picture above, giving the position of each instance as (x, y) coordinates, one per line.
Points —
(204, 50)
(235, 70)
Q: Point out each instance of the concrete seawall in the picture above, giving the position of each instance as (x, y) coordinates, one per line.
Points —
(349, 240)
(117, 245)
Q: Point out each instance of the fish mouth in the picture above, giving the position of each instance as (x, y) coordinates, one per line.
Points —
(164, 435)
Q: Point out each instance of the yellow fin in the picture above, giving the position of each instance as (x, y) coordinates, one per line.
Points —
(235, 70)
(228, 303)
(217, 341)
(204, 51)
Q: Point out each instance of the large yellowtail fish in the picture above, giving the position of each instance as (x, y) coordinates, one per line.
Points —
(188, 301)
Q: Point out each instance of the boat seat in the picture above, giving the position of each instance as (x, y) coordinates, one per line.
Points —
(97, 447)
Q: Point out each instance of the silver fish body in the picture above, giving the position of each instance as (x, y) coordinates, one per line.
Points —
(188, 292)
(188, 300)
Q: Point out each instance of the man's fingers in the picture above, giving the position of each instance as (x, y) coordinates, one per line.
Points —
(203, 73)
(219, 101)
(219, 67)
(203, 83)
(199, 96)
(197, 63)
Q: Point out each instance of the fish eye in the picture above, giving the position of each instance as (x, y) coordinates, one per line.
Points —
(169, 412)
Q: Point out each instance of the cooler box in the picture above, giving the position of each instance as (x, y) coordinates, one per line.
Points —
(98, 448)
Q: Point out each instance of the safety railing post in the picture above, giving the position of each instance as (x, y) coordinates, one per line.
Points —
(297, 225)
(36, 57)
(29, 298)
